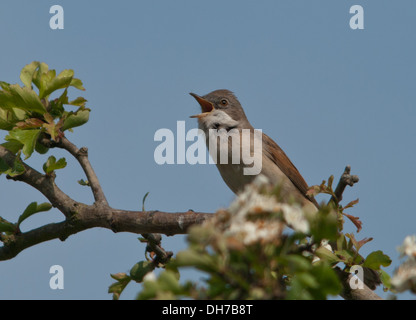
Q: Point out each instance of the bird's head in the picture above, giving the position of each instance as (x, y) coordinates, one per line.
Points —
(220, 109)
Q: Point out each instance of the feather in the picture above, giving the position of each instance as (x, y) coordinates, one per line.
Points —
(277, 155)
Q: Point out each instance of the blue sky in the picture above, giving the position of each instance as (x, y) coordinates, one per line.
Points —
(328, 95)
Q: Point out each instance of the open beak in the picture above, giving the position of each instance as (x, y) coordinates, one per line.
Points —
(206, 106)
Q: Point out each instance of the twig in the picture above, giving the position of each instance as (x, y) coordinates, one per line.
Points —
(346, 180)
(371, 277)
(82, 156)
(43, 183)
(154, 245)
(80, 216)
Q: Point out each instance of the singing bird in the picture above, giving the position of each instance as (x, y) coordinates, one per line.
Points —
(222, 110)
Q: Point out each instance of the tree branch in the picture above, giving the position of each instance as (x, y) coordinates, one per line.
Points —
(153, 239)
(80, 217)
(346, 180)
(43, 183)
(371, 277)
(354, 294)
(154, 246)
(87, 217)
(82, 156)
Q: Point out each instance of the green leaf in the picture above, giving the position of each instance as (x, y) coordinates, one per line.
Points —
(377, 259)
(13, 146)
(324, 225)
(5, 125)
(16, 170)
(341, 242)
(51, 164)
(42, 69)
(329, 283)
(5, 86)
(140, 269)
(45, 79)
(55, 84)
(67, 73)
(27, 137)
(385, 279)
(345, 256)
(26, 75)
(327, 255)
(144, 199)
(166, 286)
(117, 288)
(7, 100)
(3, 166)
(296, 291)
(190, 258)
(33, 208)
(41, 149)
(76, 119)
(82, 182)
(18, 167)
(63, 80)
(298, 263)
(23, 98)
(9, 118)
(77, 83)
(316, 283)
(169, 281)
(80, 101)
(6, 226)
(56, 106)
(27, 99)
(6, 120)
(150, 290)
(19, 114)
(307, 280)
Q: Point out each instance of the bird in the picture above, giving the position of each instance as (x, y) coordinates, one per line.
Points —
(222, 110)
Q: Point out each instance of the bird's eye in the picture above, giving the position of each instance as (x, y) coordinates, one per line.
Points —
(216, 125)
(224, 102)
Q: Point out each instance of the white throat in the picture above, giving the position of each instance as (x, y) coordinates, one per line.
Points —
(217, 119)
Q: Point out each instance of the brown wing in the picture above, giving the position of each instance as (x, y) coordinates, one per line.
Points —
(277, 155)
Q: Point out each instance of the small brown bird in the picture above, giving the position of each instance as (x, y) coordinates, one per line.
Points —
(222, 110)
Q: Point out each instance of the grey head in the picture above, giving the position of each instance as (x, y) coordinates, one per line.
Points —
(218, 102)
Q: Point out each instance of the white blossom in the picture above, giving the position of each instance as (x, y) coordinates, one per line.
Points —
(408, 248)
(250, 202)
(405, 277)
(295, 218)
